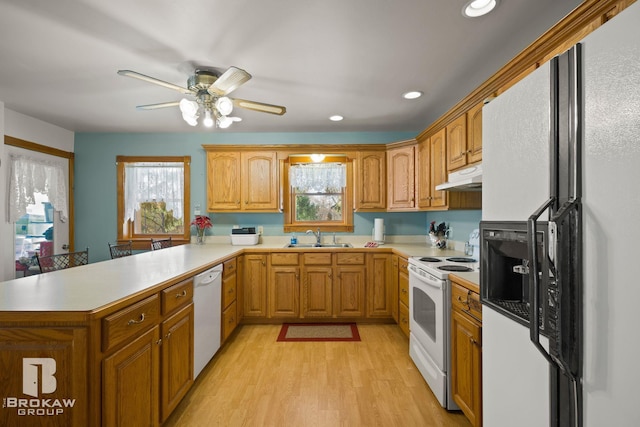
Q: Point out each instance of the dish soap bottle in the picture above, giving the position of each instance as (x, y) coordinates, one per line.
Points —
(294, 239)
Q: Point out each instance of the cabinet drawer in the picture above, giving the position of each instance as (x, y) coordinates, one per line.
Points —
(403, 319)
(229, 321)
(229, 291)
(319, 258)
(177, 295)
(403, 289)
(284, 259)
(349, 258)
(466, 300)
(130, 321)
(229, 268)
(403, 265)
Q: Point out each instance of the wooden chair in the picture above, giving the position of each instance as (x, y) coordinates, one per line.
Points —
(121, 250)
(62, 261)
(160, 243)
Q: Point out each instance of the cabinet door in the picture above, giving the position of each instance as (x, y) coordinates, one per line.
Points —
(130, 383)
(423, 174)
(457, 143)
(349, 291)
(378, 290)
(229, 321)
(466, 371)
(177, 359)
(371, 180)
(260, 181)
(438, 170)
(255, 285)
(316, 291)
(223, 181)
(401, 189)
(474, 134)
(284, 291)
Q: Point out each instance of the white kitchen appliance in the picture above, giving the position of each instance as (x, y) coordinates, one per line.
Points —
(207, 305)
(429, 320)
(559, 345)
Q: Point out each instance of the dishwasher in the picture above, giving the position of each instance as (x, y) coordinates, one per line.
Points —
(207, 295)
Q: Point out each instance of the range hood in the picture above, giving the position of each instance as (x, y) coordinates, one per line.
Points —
(468, 179)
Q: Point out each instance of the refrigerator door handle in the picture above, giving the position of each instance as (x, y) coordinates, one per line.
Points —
(534, 279)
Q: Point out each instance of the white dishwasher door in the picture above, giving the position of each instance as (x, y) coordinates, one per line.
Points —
(207, 295)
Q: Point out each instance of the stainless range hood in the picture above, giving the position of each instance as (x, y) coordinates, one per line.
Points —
(468, 179)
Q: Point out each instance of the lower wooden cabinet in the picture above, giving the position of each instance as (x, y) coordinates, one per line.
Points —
(379, 295)
(229, 321)
(284, 291)
(255, 285)
(317, 291)
(349, 300)
(229, 298)
(403, 295)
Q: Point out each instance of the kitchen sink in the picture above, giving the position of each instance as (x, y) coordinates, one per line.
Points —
(322, 245)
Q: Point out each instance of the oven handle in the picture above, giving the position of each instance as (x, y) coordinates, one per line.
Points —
(413, 271)
(534, 279)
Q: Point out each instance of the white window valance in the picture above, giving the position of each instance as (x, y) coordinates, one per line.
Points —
(153, 181)
(30, 175)
(318, 177)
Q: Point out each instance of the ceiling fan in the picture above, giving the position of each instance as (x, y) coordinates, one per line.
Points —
(210, 90)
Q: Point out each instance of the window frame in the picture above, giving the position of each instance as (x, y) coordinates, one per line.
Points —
(288, 205)
(126, 229)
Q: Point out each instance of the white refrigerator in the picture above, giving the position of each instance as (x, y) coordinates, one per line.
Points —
(516, 182)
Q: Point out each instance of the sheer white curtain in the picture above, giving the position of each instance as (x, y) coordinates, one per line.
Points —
(318, 177)
(146, 182)
(29, 175)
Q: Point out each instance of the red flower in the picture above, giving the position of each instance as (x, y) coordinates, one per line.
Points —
(202, 222)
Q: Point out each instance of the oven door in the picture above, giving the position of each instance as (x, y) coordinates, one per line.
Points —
(427, 316)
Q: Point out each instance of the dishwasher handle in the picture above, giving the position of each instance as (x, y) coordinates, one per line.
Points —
(208, 276)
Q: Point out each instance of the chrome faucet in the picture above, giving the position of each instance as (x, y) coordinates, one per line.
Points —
(318, 235)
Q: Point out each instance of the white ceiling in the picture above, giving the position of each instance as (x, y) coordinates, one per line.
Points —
(58, 59)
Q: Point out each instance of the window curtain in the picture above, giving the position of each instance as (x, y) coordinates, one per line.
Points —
(147, 182)
(318, 177)
(29, 175)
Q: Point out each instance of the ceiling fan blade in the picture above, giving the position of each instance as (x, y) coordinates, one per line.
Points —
(160, 105)
(229, 81)
(259, 106)
(153, 80)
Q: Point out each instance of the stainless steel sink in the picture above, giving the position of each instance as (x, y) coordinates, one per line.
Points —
(323, 245)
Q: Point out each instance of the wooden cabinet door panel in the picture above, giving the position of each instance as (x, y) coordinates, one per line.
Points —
(223, 181)
(401, 180)
(260, 181)
(438, 170)
(371, 180)
(130, 383)
(316, 291)
(378, 291)
(466, 372)
(457, 143)
(177, 359)
(474, 134)
(284, 300)
(349, 297)
(423, 174)
(255, 285)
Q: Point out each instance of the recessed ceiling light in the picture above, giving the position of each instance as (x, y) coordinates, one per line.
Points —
(412, 94)
(336, 118)
(476, 8)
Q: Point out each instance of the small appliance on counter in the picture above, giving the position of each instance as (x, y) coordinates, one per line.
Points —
(245, 236)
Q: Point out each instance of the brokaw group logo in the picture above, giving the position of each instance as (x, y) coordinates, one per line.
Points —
(38, 378)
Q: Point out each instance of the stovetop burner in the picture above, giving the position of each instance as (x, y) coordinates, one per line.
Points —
(461, 259)
(430, 259)
(455, 268)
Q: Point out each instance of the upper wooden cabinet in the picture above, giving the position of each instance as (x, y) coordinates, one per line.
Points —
(371, 180)
(401, 177)
(432, 171)
(464, 139)
(246, 181)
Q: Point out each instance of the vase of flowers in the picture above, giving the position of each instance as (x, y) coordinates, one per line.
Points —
(201, 223)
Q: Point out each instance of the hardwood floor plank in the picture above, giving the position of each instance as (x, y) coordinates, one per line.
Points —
(256, 381)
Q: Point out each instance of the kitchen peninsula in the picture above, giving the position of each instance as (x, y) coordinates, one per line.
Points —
(101, 339)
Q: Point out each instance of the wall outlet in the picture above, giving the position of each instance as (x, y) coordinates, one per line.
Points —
(260, 230)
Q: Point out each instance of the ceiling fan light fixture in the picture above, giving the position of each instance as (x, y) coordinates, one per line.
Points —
(189, 108)
(208, 120)
(224, 122)
(191, 120)
(224, 105)
(476, 8)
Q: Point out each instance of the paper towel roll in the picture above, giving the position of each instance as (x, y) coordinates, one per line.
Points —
(378, 230)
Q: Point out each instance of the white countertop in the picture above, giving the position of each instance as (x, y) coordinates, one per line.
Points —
(96, 285)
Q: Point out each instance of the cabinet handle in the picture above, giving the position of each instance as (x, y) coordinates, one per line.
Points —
(230, 291)
(404, 291)
(182, 294)
(246, 202)
(134, 322)
(159, 341)
(168, 335)
(238, 201)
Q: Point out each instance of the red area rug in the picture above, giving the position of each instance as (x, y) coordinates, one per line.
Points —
(319, 332)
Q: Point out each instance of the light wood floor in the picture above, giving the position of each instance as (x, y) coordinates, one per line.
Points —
(256, 381)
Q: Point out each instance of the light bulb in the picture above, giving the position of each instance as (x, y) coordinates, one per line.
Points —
(208, 121)
(188, 107)
(224, 106)
(192, 120)
(224, 122)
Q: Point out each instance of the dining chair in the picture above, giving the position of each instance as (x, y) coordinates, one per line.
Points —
(119, 250)
(62, 261)
(160, 243)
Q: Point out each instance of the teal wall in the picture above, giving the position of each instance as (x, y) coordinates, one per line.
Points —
(95, 183)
